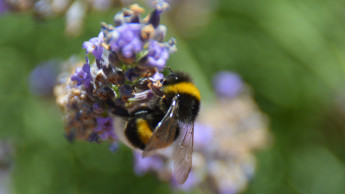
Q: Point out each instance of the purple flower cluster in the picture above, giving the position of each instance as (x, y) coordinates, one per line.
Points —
(126, 40)
(158, 54)
(139, 40)
(127, 58)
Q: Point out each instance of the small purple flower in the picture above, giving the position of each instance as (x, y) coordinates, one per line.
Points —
(158, 54)
(142, 165)
(94, 46)
(105, 128)
(126, 40)
(82, 75)
(157, 76)
(43, 78)
(227, 84)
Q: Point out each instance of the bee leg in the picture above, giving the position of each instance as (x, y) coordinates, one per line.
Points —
(117, 110)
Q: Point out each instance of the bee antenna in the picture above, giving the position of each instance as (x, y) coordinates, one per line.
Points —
(171, 71)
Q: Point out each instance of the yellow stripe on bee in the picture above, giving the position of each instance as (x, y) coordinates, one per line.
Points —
(144, 130)
(183, 88)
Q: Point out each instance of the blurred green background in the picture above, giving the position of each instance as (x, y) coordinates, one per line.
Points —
(291, 52)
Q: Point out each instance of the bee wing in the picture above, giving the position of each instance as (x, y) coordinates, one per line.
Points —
(165, 132)
(183, 153)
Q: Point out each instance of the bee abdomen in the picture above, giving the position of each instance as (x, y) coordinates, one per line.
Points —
(138, 132)
(144, 130)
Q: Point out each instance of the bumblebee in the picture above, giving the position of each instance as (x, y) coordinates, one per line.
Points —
(168, 119)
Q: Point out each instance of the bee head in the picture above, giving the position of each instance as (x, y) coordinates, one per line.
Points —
(176, 77)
